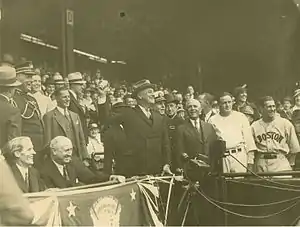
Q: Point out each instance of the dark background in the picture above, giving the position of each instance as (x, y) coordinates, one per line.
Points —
(226, 43)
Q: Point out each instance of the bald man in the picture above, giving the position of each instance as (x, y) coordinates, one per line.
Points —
(62, 170)
(195, 136)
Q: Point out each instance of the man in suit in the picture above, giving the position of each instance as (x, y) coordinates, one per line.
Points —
(146, 132)
(173, 121)
(32, 124)
(206, 101)
(14, 208)
(19, 154)
(62, 170)
(62, 122)
(116, 148)
(77, 85)
(10, 121)
(195, 136)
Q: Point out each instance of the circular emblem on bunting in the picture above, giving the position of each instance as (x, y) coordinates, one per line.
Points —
(106, 211)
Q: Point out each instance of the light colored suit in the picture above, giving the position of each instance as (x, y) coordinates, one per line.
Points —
(56, 124)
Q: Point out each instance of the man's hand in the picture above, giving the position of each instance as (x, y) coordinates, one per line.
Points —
(86, 162)
(167, 170)
(117, 178)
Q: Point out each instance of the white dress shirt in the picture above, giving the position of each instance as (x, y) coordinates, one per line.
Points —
(59, 167)
(146, 112)
(23, 170)
(196, 123)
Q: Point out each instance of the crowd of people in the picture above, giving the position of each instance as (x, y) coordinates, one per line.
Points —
(58, 132)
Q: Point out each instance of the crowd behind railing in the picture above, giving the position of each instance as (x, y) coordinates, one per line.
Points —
(59, 132)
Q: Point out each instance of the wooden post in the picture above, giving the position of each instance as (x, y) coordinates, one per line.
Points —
(67, 37)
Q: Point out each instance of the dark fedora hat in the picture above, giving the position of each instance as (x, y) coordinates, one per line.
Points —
(8, 77)
(140, 86)
(25, 68)
(171, 99)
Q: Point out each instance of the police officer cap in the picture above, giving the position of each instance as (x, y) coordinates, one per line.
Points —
(25, 68)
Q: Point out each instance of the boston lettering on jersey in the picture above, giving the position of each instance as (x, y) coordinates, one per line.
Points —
(270, 135)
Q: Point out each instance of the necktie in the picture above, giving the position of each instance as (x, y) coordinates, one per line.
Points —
(26, 180)
(196, 123)
(66, 175)
(67, 115)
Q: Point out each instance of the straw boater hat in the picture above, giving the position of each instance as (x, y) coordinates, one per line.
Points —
(140, 86)
(76, 78)
(296, 93)
(58, 79)
(8, 77)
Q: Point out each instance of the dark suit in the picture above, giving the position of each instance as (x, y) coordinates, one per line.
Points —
(76, 170)
(56, 124)
(10, 121)
(286, 114)
(32, 124)
(14, 208)
(116, 148)
(148, 141)
(192, 142)
(35, 182)
(82, 113)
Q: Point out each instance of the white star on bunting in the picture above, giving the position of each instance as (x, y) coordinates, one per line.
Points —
(132, 194)
(71, 209)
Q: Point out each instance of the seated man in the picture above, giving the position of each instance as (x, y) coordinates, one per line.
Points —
(19, 154)
(62, 169)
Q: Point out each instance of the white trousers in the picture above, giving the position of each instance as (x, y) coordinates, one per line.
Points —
(231, 165)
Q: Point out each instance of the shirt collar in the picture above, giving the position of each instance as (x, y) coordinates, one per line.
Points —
(61, 110)
(23, 170)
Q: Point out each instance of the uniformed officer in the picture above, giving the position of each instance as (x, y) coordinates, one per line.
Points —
(173, 121)
(32, 124)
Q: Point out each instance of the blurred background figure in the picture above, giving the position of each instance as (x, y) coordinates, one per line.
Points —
(286, 111)
(160, 105)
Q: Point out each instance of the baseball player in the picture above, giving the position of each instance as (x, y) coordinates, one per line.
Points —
(233, 127)
(275, 138)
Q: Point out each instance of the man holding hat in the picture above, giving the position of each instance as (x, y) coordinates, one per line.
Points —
(32, 124)
(10, 121)
(77, 84)
(147, 133)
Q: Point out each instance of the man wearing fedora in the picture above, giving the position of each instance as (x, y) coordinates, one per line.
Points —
(146, 132)
(10, 121)
(77, 84)
(32, 124)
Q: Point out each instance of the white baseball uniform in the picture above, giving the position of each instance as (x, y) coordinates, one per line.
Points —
(235, 130)
(279, 137)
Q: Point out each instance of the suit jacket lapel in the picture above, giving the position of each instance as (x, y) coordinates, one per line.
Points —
(19, 178)
(143, 116)
(76, 102)
(56, 176)
(33, 181)
(60, 118)
(195, 132)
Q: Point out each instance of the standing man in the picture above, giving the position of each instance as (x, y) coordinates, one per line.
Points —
(160, 105)
(195, 136)
(32, 124)
(146, 132)
(206, 101)
(173, 121)
(19, 154)
(241, 97)
(77, 84)
(10, 121)
(234, 128)
(63, 122)
(275, 138)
